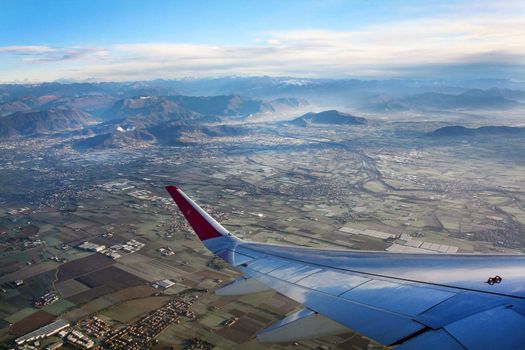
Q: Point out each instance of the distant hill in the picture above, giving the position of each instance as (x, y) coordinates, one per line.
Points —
(459, 131)
(134, 113)
(95, 105)
(470, 99)
(383, 103)
(168, 133)
(331, 117)
(225, 105)
(117, 139)
(11, 107)
(43, 122)
(492, 92)
(150, 110)
(26, 104)
(464, 100)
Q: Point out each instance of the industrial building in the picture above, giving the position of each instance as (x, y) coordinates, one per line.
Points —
(43, 332)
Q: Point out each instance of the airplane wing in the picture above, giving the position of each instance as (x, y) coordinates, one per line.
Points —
(411, 301)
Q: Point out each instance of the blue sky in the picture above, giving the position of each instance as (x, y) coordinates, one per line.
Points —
(132, 40)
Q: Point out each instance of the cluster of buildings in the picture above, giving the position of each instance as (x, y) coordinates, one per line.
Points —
(53, 258)
(46, 299)
(117, 186)
(19, 211)
(115, 251)
(33, 244)
(436, 247)
(126, 185)
(79, 339)
(94, 327)
(196, 343)
(142, 333)
(139, 335)
(97, 327)
(146, 195)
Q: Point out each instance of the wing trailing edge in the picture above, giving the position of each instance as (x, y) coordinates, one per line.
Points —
(301, 325)
(242, 286)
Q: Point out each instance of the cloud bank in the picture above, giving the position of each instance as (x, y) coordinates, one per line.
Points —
(487, 44)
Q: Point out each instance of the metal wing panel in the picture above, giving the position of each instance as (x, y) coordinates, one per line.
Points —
(241, 248)
(402, 298)
(498, 328)
(388, 310)
(332, 282)
(458, 307)
(469, 272)
(266, 265)
(294, 272)
(386, 327)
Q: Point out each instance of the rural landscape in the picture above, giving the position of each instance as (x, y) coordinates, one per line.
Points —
(94, 253)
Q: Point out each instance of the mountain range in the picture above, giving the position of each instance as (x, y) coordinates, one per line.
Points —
(471, 99)
(377, 95)
(51, 114)
(106, 115)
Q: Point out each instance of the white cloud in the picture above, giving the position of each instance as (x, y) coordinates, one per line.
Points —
(25, 50)
(462, 36)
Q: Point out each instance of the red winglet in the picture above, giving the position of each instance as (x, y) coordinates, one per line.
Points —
(202, 223)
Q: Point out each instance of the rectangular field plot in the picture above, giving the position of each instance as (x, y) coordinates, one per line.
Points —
(83, 266)
(105, 281)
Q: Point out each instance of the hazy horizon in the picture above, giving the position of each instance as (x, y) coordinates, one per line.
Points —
(134, 41)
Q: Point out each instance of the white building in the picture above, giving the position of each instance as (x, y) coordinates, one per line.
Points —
(164, 284)
(92, 247)
(43, 332)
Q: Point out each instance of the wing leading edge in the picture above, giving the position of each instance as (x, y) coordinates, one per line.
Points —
(412, 301)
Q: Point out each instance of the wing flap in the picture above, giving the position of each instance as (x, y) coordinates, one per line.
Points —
(458, 307)
(381, 325)
(303, 324)
(498, 328)
(234, 258)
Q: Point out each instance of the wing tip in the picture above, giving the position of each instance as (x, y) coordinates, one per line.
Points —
(202, 223)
